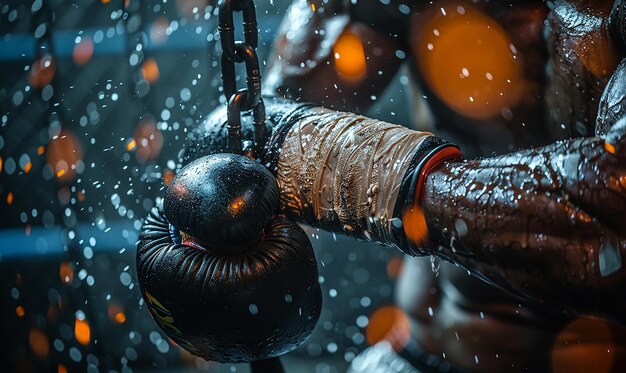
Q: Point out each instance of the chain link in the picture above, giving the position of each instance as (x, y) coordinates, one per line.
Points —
(248, 98)
(227, 26)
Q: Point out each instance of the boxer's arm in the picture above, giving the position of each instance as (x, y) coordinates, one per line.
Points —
(323, 55)
(547, 224)
(551, 220)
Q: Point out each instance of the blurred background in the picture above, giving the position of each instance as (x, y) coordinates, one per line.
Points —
(96, 98)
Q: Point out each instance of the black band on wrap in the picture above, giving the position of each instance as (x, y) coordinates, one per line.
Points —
(283, 117)
(406, 196)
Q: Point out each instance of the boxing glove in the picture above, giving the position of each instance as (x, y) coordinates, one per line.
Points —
(221, 277)
(231, 209)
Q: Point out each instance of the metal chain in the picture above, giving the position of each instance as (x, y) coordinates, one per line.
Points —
(248, 98)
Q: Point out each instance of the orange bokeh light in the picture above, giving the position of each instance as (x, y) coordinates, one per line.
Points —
(116, 313)
(584, 345)
(394, 266)
(19, 311)
(132, 144)
(120, 317)
(150, 70)
(349, 57)
(42, 71)
(391, 324)
(64, 152)
(10, 198)
(38, 343)
(414, 225)
(82, 332)
(148, 140)
(168, 176)
(83, 51)
(609, 148)
(66, 273)
(468, 60)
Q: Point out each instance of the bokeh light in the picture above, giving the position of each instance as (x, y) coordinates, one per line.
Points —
(38, 342)
(158, 31)
(148, 140)
(42, 71)
(394, 266)
(83, 51)
(168, 176)
(391, 324)
(64, 153)
(82, 332)
(349, 57)
(609, 147)
(584, 345)
(66, 273)
(116, 313)
(468, 60)
(188, 8)
(150, 70)
(414, 225)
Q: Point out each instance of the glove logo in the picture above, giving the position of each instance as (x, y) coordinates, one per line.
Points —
(166, 321)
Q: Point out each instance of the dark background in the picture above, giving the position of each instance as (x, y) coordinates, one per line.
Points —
(67, 243)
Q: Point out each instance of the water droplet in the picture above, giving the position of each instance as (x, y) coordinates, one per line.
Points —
(254, 309)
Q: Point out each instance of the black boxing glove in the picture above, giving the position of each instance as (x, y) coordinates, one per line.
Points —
(234, 288)
(224, 200)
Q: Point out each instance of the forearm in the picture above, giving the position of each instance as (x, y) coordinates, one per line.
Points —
(522, 231)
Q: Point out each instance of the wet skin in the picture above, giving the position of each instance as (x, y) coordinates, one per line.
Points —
(531, 223)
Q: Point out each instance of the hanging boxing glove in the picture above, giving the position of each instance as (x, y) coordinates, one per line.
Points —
(224, 200)
(221, 277)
